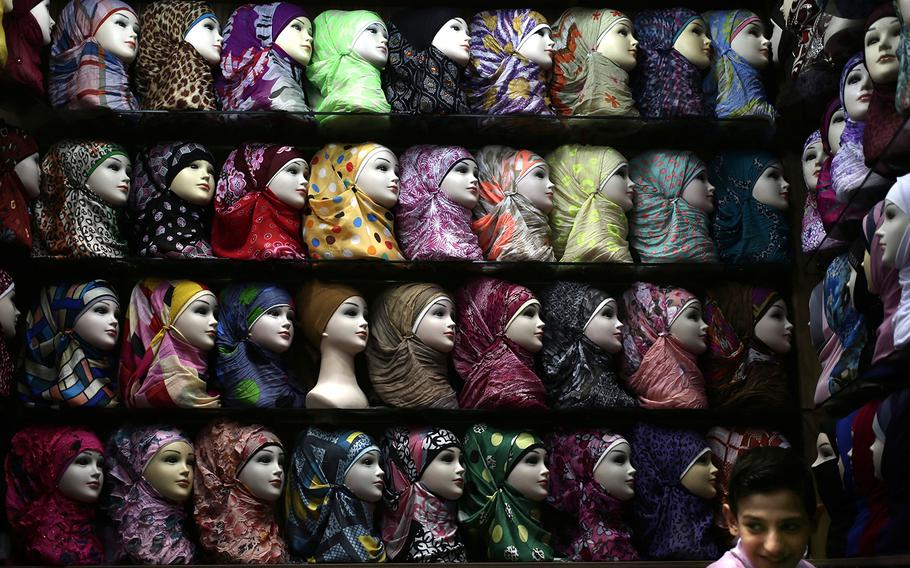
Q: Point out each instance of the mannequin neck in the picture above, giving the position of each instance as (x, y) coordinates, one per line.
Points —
(336, 386)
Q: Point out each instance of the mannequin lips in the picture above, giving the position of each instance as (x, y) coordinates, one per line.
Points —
(545, 482)
(204, 186)
(886, 57)
(458, 481)
(210, 333)
(111, 332)
(183, 483)
(276, 482)
(362, 334)
(865, 97)
(630, 482)
(379, 483)
(94, 484)
(284, 334)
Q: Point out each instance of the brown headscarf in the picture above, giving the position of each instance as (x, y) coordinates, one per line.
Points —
(316, 303)
(406, 372)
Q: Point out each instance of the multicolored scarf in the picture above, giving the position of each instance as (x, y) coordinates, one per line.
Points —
(884, 281)
(15, 221)
(25, 45)
(902, 102)
(807, 23)
(883, 121)
(829, 208)
(848, 166)
(813, 231)
(7, 287)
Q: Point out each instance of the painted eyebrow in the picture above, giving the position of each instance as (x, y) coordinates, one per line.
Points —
(386, 160)
(351, 304)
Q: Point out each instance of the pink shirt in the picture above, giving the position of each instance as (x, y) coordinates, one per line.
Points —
(736, 558)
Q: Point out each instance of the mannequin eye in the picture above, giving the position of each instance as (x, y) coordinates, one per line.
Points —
(456, 27)
(872, 39)
(191, 460)
(608, 312)
(532, 459)
(352, 312)
(367, 460)
(705, 459)
(855, 77)
(810, 157)
(265, 459)
(83, 460)
(100, 309)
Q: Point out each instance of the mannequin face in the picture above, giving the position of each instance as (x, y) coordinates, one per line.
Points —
(365, 478)
(452, 40)
(699, 193)
(538, 47)
(378, 178)
(537, 187)
(605, 329)
(619, 46)
(891, 232)
(699, 480)
(825, 451)
(98, 325)
(195, 183)
(111, 180)
(774, 329)
(460, 184)
(857, 93)
(263, 473)
(29, 172)
(82, 479)
(444, 477)
(619, 188)
(372, 44)
(880, 49)
(296, 39)
(771, 188)
(877, 448)
(750, 43)
(812, 159)
(437, 328)
(9, 314)
(835, 129)
(348, 328)
(119, 35)
(41, 13)
(694, 44)
(526, 328)
(615, 472)
(530, 476)
(206, 38)
(290, 183)
(274, 330)
(170, 471)
(197, 323)
(690, 329)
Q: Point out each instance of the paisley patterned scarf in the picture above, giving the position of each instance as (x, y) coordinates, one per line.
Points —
(15, 222)
(848, 166)
(813, 231)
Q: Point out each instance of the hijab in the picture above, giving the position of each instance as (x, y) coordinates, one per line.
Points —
(893, 417)
(430, 225)
(902, 102)
(15, 220)
(251, 222)
(868, 491)
(585, 82)
(884, 280)
(848, 167)
(729, 444)
(25, 46)
(82, 73)
(7, 286)
(50, 527)
(499, 79)
(256, 74)
(806, 22)
(405, 371)
(899, 195)
(316, 304)
(813, 231)
(829, 208)
(587, 226)
(883, 121)
(839, 506)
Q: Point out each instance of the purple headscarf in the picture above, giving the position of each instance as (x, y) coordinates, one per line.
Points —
(813, 229)
(430, 225)
(848, 167)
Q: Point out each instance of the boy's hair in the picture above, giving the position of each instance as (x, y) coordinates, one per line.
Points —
(768, 469)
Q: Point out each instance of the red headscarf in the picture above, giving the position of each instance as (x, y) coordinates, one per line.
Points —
(25, 44)
(15, 146)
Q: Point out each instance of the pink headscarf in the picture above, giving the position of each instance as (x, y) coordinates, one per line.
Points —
(886, 282)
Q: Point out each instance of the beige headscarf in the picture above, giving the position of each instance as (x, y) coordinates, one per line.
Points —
(316, 303)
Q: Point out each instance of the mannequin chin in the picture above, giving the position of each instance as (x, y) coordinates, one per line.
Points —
(195, 183)
(29, 172)
(537, 187)
(365, 477)
(41, 13)
(453, 40)
(378, 177)
(170, 471)
(812, 159)
(290, 183)
(274, 329)
(530, 475)
(347, 329)
(699, 193)
(774, 329)
(614, 472)
(197, 323)
(891, 231)
(82, 479)
(460, 184)
(205, 37)
(771, 188)
(690, 329)
(619, 188)
(824, 449)
(526, 327)
(694, 44)
(835, 129)
(619, 45)
(110, 180)
(372, 44)
(699, 478)
(444, 476)
(537, 46)
(7, 6)
(881, 41)
(97, 325)
(751, 45)
(867, 270)
(604, 328)
(857, 93)
(435, 327)
(296, 39)
(9, 314)
(263, 473)
(877, 448)
(119, 35)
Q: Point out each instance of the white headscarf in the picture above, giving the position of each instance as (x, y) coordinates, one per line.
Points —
(899, 194)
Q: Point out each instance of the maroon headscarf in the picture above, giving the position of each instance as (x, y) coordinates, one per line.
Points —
(868, 490)
(829, 208)
(15, 221)
(882, 121)
(25, 44)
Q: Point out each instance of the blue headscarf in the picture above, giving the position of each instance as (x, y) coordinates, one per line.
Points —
(846, 323)
(844, 433)
(248, 374)
(747, 231)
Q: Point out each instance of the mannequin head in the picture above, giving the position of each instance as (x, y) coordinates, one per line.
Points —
(857, 93)
(29, 172)
(291, 182)
(273, 330)
(774, 329)
(891, 232)
(835, 128)
(444, 476)
(347, 329)
(82, 479)
(197, 323)
(877, 447)
(42, 15)
(619, 45)
(110, 180)
(694, 44)
(119, 35)
(526, 328)
(750, 44)
(195, 183)
(771, 188)
(263, 473)
(614, 471)
(378, 177)
(205, 37)
(435, 326)
(690, 329)
(604, 328)
(530, 476)
(537, 46)
(699, 193)
(453, 40)
(9, 313)
(880, 49)
(699, 478)
(7, 6)
(619, 188)
(812, 159)
(372, 44)
(825, 451)
(170, 471)
(97, 324)
(535, 184)
(296, 39)
(460, 184)
(365, 477)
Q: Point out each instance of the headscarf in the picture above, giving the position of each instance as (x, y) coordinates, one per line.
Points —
(325, 521)
(497, 519)
(868, 491)
(902, 102)
(587, 226)
(729, 444)
(251, 222)
(51, 528)
(883, 121)
(164, 224)
(248, 374)
(839, 506)
(342, 221)
(659, 369)
(807, 23)
(7, 286)
(149, 528)
(158, 368)
(316, 303)
(61, 369)
(499, 79)
(234, 526)
(508, 226)
(405, 371)
(418, 526)
(884, 281)
(497, 372)
(899, 194)
(420, 78)
(665, 228)
(25, 46)
(664, 82)
(170, 74)
(813, 231)
(430, 225)
(15, 221)
(734, 86)
(848, 167)
(255, 73)
(893, 417)
(585, 82)
(670, 522)
(82, 73)
(747, 231)
(576, 372)
(602, 533)
(342, 81)
(829, 209)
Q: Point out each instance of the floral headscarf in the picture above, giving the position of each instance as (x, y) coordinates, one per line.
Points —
(50, 527)
(251, 222)
(248, 374)
(61, 369)
(728, 445)
(255, 73)
(508, 226)
(417, 526)
(149, 528)
(497, 372)
(848, 166)
(499, 79)
(587, 226)
(15, 221)
(813, 230)
(497, 519)
(70, 219)
(883, 280)
(430, 225)
(325, 521)
(665, 227)
(342, 221)
(883, 121)
(234, 526)
(25, 45)
(585, 82)
(7, 286)
(157, 365)
(82, 73)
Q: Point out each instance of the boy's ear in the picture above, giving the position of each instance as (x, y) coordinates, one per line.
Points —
(730, 519)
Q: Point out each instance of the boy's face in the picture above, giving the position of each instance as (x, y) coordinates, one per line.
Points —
(773, 527)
